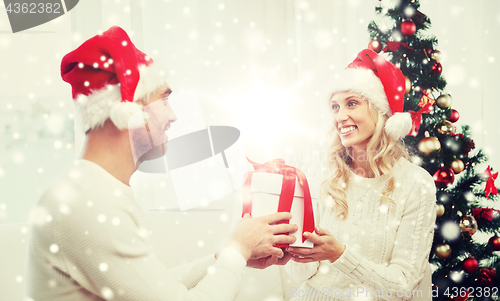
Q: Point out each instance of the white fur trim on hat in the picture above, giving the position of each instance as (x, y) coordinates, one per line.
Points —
(398, 125)
(122, 112)
(365, 83)
(96, 108)
(151, 78)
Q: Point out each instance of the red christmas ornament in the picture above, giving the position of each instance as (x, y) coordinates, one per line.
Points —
(468, 144)
(408, 28)
(487, 276)
(470, 265)
(494, 241)
(444, 176)
(375, 46)
(437, 68)
(454, 116)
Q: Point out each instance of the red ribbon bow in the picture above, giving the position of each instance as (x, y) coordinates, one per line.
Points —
(486, 276)
(485, 213)
(416, 118)
(394, 46)
(290, 175)
(425, 99)
(490, 182)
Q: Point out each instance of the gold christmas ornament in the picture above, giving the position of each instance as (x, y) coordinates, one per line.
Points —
(468, 225)
(439, 210)
(429, 144)
(442, 251)
(445, 127)
(407, 85)
(436, 55)
(375, 46)
(457, 166)
(444, 101)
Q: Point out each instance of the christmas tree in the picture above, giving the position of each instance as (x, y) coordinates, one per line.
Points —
(463, 268)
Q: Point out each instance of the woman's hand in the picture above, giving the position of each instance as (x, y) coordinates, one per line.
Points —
(326, 247)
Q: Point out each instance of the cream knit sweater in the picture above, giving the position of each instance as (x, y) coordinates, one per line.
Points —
(387, 248)
(89, 243)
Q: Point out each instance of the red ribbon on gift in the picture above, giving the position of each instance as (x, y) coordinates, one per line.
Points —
(490, 183)
(416, 118)
(290, 175)
(484, 213)
(394, 46)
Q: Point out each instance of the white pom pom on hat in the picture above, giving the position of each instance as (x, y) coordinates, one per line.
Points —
(108, 75)
(382, 84)
(398, 125)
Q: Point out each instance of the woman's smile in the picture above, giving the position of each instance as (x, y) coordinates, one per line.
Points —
(352, 119)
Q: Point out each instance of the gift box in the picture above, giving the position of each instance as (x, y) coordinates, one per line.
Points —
(276, 187)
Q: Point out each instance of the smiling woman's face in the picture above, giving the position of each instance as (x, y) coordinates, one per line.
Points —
(352, 119)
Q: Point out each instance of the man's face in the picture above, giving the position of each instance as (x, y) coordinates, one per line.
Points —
(149, 143)
(159, 115)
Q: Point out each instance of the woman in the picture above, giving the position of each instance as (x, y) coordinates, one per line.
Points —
(376, 222)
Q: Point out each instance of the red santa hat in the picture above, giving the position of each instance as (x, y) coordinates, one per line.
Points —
(382, 84)
(108, 74)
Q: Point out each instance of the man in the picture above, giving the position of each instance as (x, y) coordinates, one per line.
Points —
(88, 238)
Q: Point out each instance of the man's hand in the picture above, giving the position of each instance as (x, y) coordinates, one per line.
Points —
(326, 247)
(254, 237)
(268, 261)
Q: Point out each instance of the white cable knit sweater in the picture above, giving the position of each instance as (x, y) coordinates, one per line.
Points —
(387, 248)
(89, 243)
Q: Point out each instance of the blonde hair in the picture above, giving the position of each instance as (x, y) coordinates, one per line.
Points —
(382, 153)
